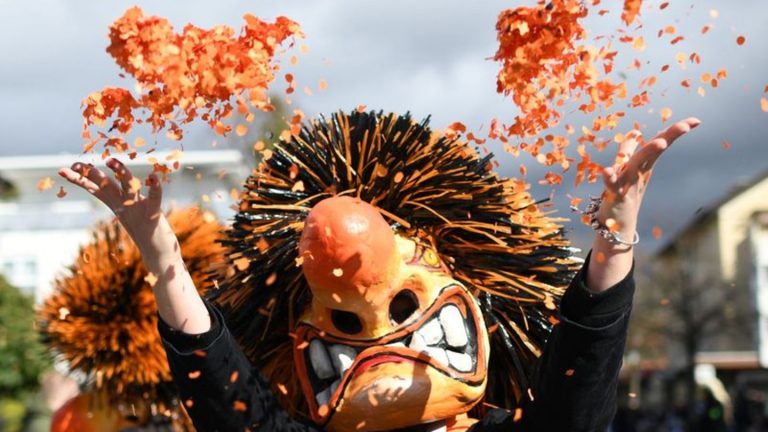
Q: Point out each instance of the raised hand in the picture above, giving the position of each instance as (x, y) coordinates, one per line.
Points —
(625, 185)
(140, 215)
(177, 300)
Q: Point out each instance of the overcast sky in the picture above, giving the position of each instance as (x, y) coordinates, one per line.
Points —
(429, 57)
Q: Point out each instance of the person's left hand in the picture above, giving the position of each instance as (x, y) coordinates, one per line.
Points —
(625, 185)
(627, 180)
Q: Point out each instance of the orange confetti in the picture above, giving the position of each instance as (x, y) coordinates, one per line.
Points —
(656, 232)
(631, 10)
(638, 44)
(726, 145)
(241, 130)
(44, 184)
(194, 374)
(234, 376)
(666, 113)
(600, 257)
(740, 40)
(764, 104)
(239, 406)
(518, 414)
(323, 84)
(61, 193)
(151, 279)
(175, 72)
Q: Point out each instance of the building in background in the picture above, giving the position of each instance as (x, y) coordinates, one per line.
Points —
(40, 233)
(723, 255)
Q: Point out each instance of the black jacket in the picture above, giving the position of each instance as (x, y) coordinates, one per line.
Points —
(574, 387)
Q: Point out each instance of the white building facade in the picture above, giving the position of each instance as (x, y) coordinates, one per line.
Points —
(41, 233)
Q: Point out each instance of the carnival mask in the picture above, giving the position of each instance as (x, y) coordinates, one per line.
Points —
(389, 331)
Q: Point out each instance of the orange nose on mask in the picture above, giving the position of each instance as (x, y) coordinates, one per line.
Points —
(347, 247)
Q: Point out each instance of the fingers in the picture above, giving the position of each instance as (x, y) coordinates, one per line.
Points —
(78, 179)
(663, 140)
(155, 189)
(627, 147)
(131, 186)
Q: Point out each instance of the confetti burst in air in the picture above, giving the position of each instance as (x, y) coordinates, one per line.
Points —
(183, 76)
(102, 316)
(550, 65)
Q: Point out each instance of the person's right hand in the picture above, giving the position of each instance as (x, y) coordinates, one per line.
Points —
(140, 215)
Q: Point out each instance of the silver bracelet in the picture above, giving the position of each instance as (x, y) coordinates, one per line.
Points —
(613, 237)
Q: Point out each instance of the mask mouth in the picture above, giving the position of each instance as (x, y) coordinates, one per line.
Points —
(445, 338)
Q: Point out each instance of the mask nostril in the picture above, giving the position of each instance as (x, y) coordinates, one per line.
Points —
(403, 306)
(347, 322)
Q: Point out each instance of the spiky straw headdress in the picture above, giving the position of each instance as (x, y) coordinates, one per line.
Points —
(496, 240)
(102, 316)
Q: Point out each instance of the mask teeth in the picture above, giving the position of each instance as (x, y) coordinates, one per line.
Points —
(445, 338)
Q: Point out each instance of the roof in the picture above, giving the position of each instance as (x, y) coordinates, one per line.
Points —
(704, 213)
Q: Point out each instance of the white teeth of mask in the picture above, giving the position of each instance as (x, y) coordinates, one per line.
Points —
(396, 344)
(342, 357)
(453, 325)
(431, 332)
(320, 360)
(460, 361)
(417, 343)
(437, 354)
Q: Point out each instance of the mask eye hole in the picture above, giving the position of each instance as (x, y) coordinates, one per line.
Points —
(347, 322)
(403, 306)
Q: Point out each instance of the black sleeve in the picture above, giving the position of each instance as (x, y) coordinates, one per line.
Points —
(217, 384)
(575, 381)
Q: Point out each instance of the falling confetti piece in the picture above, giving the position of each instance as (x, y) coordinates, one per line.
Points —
(271, 279)
(600, 257)
(61, 193)
(44, 184)
(194, 374)
(338, 272)
(656, 232)
(518, 413)
(666, 113)
(740, 40)
(239, 406)
(764, 104)
(631, 10)
(151, 279)
(569, 372)
(233, 377)
(241, 130)
(713, 13)
(323, 84)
